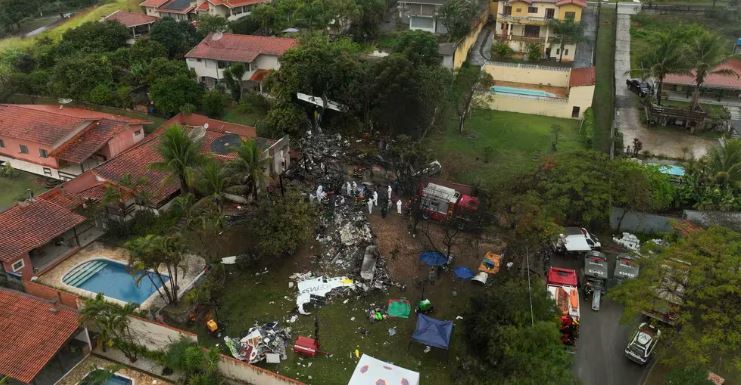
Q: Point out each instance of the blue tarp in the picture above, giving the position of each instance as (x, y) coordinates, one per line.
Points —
(433, 332)
(463, 272)
(433, 258)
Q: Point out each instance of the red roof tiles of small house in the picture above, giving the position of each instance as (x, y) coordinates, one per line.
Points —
(92, 140)
(130, 19)
(731, 82)
(580, 3)
(32, 331)
(586, 76)
(197, 120)
(62, 198)
(153, 3)
(49, 125)
(32, 224)
(203, 6)
(237, 3)
(239, 48)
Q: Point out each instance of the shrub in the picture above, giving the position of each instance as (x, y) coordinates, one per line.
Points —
(7, 171)
(501, 50)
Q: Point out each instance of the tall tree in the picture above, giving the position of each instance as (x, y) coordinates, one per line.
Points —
(211, 23)
(641, 188)
(233, 78)
(566, 31)
(147, 254)
(724, 162)
(282, 224)
(420, 47)
(171, 93)
(664, 57)
(248, 168)
(94, 37)
(365, 24)
(112, 323)
(177, 36)
(703, 54)
(198, 366)
(181, 155)
(75, 76)
(457, 16)
(702, 270)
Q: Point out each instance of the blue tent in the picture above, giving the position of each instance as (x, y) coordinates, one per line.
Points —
(433, 258)
(433, 332)
(463, 272)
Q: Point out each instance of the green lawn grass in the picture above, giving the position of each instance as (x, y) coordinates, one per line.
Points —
(496, 145)
(81, 17)
(14, 189)
(604, 92)
(240, 115)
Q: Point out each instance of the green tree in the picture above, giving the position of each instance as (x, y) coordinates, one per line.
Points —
(197, 365)
(170, 93)
(93, 37)
(534, 52)
(703, 54)
(181, 155)
(501, 50)
(233, 78)
(144, 51)
(13, 12)
(709, 312)
(112, 324)
(148, 253)
(211, 23)
(213, 103)
(77, 75)
(687, 376)
(457, 16)
(340, 14)
(510, 344)
(641, 188)
(283, 118)
(282, 224)
(162, 67)
(178, 37)
(99, 376)
(664, 57)
(566, 31)
(212, 178)
(248, 168)
(724, 162)
(365, 24)
(420, 47)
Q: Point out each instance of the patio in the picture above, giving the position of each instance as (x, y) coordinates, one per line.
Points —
(93, 362)
(45, 257)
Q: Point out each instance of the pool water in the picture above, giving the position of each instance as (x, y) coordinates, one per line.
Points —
(521, 91)
(113, 280)
(672, 170)
(112, 380)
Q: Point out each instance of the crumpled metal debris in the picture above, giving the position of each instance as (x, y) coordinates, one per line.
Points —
(260, 340)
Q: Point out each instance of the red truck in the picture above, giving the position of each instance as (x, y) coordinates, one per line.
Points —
(442, 202)
(562, 287)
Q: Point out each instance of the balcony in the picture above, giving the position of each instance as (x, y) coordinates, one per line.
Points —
(526, 39)
(527, 20)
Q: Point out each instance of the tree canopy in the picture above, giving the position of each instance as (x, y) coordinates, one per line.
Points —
(282, 224)
(707, 333)
(178, 37)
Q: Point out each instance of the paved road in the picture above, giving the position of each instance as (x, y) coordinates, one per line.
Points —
(599, 358)
(585, 48)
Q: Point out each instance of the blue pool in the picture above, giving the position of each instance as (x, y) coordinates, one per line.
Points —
(112, 380)
(113, 280)
(672, 170)
(521, 91)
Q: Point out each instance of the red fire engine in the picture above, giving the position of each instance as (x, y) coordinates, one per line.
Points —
(441, 203)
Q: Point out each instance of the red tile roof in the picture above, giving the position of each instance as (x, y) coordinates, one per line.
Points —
(92, 140)
(197, 120)
(580, 3)
(240, 48)
(731, 82)
(49, 125)
(62, 198)
(586, 76)
(236, 3)
(203, 6)
(260, 74)
(152, 3)
(31, 333)
(130, 19)
(31, 224)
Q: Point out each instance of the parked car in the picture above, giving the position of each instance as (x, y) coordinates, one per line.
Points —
(638, 87)
(641, 347)
(626, 267)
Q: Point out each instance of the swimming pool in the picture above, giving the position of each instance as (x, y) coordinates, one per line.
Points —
(672, 170)
(113, 280)
(112, 380)
(521, 91)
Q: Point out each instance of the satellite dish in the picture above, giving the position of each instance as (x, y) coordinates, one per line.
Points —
(197, 133)
(63, 101)
(217, 36)
(205, 125)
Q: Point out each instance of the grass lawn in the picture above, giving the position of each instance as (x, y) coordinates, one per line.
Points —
(241, 115)
(15, 189)
(251, 297)
(604, 92)
(81, 17)
(512, 141)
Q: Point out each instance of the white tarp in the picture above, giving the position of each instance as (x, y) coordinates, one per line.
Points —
(576, 243)
(372, 371)
(318, 287)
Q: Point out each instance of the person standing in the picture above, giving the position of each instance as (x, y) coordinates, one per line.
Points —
(370, 205)
(398, 207)
(375, 197)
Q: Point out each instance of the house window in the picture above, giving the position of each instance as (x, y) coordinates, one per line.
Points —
(575, 111)
(18, 265)
(198, 60)
(222, 64)
(550, 13)
(24, 149)
(2, 144)
(532, 9)
(566, 52)
(507, 10)
(43, 153)
(570, 15)
(532, 31)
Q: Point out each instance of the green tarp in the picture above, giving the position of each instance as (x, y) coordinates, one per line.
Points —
(400, 308)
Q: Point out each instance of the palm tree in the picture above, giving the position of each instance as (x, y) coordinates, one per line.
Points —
(181, 155)
(112, 322)
(566, 31)
(249, 168)
(100, 376)
(148, 253)
(233, 77)
(724, 163)
(665, 57)
(212, 181)
(703, 54)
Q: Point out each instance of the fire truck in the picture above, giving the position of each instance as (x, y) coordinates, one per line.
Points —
(562, 287)
(440, 203)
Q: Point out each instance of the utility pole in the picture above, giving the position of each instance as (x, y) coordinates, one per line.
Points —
(529, 288)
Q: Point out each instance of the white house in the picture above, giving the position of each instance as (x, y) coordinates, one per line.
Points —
(218, 51)
(189, 9)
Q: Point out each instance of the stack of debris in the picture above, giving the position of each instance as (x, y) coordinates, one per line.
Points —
(267, 342)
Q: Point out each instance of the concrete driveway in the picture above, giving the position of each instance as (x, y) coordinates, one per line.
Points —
(671, 143)
(599, 358)
(585, 48)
